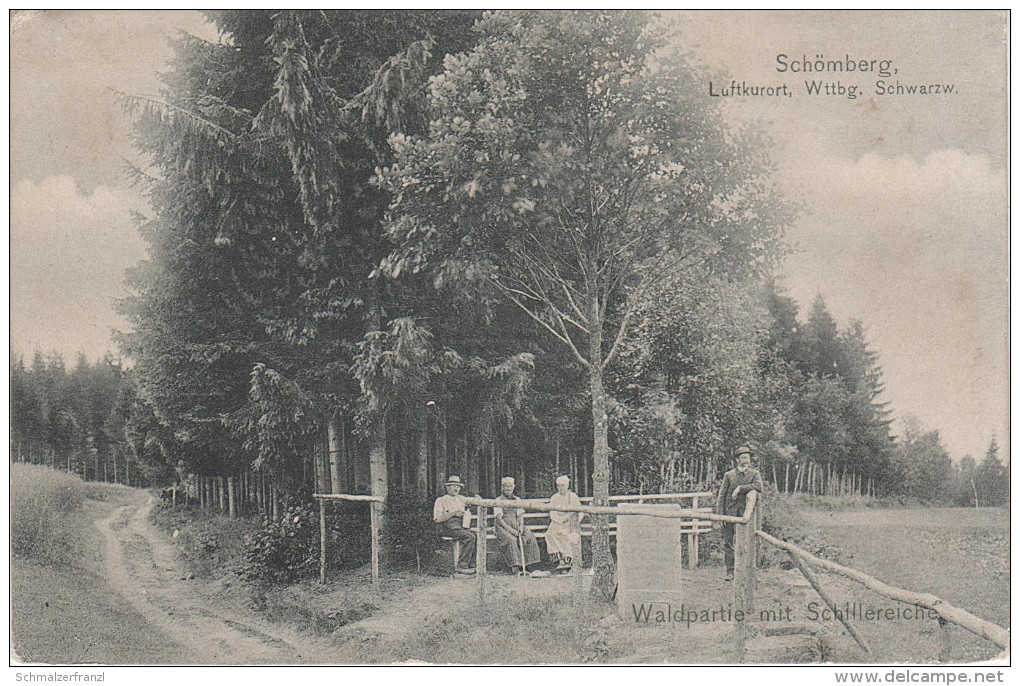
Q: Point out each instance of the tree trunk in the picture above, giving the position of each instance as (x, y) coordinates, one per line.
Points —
(604, 581)
(320, 461)
(377, 475)
(336, 456)
(377, 467)
(421, 472)
(442, 459)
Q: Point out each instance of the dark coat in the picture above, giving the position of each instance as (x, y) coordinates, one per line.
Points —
(746, 482)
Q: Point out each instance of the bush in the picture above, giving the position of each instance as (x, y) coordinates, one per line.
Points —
(287, 549)
(209, 542)
(44, 506)
(410, 533)
(284, 550)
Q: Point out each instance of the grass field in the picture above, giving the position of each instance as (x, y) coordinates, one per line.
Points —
(958, 554)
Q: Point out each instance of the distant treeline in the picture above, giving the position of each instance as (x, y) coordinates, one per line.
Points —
(89, 420)
(83, 420)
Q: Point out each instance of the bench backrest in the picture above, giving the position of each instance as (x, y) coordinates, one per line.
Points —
(538, 522)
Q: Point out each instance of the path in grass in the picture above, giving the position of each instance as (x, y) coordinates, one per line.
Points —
(140, 564)
(132, 604)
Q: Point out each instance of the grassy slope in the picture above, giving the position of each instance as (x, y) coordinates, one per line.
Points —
(62, 610)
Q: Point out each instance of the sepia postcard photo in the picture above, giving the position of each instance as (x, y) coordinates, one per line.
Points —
(519, 337)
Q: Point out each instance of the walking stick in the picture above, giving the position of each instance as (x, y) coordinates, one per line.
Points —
(520, 543)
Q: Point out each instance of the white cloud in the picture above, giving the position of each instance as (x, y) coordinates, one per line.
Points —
(68, 256)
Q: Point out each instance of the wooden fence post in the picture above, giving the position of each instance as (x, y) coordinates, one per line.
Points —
(744, 572)
(322, 540)
(374, 515)
(692, 540)
(945, 641)
(481, 549)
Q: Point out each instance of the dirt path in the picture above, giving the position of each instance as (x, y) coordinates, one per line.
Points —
(139, 564)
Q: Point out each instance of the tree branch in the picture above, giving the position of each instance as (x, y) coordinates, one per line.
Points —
(563, 338)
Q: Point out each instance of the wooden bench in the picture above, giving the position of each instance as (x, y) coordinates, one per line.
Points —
(538, 522)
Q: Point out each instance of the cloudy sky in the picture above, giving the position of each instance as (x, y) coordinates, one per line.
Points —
(905, 195)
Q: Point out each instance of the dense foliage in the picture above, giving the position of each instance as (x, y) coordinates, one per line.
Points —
(390, 246)
(570, 172)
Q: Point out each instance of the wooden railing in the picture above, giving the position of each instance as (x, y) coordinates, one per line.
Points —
(947, 613)
(376, 502)
(744, 540)
(538, 521)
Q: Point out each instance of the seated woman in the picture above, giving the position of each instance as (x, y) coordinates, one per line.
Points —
(563, 537)
(513, 537)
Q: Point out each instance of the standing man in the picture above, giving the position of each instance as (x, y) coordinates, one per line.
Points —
(452, 519)
(732, 498)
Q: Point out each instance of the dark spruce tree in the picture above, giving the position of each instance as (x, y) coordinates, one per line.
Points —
(265, 226)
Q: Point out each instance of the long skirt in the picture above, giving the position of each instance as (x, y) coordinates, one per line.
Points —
(562, 538)
(510, 548)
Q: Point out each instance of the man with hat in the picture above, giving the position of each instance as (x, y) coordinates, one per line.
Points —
(452, 518)
(732, 498)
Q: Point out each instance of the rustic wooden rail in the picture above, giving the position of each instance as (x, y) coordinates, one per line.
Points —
(980, 627)
(669, 512)
(744, 540)
(538, 522)
(375, 502)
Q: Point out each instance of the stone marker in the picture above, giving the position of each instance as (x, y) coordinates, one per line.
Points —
(649, 566)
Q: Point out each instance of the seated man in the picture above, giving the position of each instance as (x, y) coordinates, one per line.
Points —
(732, 498)
(516, 542)
(452, 518)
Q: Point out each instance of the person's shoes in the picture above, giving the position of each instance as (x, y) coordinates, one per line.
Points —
(541, 574)
(465, 570)
(728, 577)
